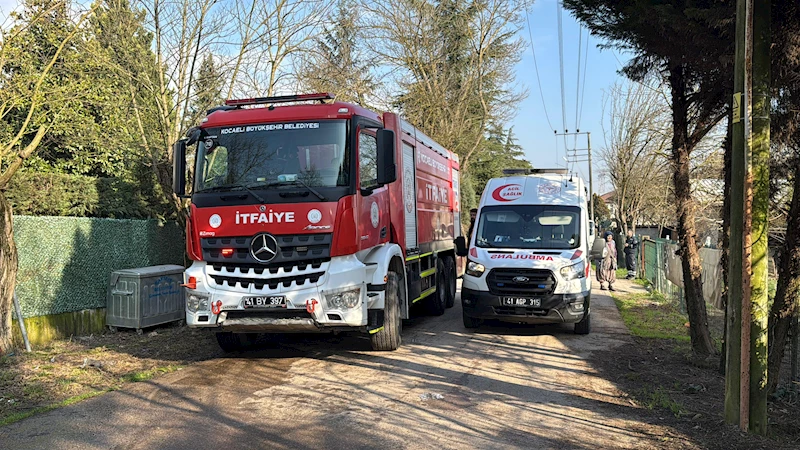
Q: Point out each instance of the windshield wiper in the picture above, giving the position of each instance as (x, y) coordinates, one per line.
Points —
(234, 186)
(301, 183)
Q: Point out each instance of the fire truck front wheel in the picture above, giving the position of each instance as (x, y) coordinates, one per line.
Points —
(232, 342)
(388, 337)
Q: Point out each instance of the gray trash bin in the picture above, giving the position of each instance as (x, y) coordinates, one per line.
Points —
(145, 297)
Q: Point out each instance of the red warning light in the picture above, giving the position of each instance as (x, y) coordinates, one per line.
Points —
(227, 252)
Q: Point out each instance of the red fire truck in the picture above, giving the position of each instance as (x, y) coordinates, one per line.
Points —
(312, 215)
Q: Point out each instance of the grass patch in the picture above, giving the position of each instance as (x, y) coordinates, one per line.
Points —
(8, 420)
(144, 375)
(642, 282)
(659, 398)
(650, 315)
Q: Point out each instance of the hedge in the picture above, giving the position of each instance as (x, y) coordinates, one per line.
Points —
(55, 194)
(65, 262)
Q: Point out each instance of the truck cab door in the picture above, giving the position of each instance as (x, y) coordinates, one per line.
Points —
(373, 212)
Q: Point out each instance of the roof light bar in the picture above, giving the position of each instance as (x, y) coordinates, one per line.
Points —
(322, 97)
(558, 171)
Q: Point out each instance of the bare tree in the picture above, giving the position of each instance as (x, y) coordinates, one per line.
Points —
(452, 61)
(636, 134)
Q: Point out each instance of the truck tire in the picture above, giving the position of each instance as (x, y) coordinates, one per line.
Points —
(389, 337)
(470, 322)
(585, 325)
(450, 269)
(437, 303)
(234, 342)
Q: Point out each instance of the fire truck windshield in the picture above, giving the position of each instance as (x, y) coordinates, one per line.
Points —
(306, 153)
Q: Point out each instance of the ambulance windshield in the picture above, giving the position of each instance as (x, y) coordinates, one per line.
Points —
(529, 227)
(291, 153)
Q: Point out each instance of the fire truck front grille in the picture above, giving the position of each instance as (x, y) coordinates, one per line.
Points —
(292, 248)
(257, 279)
(271, 283)
(522, 282)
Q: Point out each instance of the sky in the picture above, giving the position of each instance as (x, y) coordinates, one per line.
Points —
(531, 126)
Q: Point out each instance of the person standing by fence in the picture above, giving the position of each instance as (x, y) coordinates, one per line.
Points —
(631, 249)
(607, 267)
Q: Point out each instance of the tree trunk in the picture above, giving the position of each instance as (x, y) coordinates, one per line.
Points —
(702, 345)
(784, 306)
(8, 274)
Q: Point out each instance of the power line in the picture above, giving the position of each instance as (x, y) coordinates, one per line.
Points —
(583, 88)
(536, 67)
(561, 66)
(578, 81)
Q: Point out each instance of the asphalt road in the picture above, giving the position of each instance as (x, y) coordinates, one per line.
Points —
(447, 387)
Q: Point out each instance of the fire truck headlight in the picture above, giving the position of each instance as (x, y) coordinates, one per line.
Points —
(344, 299)
(196, 303)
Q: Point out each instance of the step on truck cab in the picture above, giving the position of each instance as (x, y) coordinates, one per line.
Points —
(529, 253)
(310, 215)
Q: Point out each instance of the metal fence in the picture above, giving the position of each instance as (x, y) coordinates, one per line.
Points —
(662, 268)
(654, 263)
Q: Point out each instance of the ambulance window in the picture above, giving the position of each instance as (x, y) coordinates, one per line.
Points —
(368, 160)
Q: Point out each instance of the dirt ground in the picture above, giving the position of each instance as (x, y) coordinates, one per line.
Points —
(85, 366)
(687, 394)
(599, 391)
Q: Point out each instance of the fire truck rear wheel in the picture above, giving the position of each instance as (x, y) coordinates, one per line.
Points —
(450, 270)
(437, 302)
(388, 338)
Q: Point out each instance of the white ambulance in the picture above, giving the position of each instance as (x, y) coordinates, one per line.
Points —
(528, 256)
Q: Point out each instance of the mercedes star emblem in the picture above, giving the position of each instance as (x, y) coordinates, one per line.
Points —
(264, 247)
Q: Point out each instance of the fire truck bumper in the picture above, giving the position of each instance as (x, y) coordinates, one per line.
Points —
(338, 300)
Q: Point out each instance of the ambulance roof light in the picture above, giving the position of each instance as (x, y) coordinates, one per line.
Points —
(558, 171)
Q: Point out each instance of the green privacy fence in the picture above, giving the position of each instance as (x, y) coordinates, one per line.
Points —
(655, 265)
(65, 262)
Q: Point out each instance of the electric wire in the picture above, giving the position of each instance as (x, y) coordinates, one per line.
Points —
(536, 68)
(583, 87)
(578, 81)
(561, 67)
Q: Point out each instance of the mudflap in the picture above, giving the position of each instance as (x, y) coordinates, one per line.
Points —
(375, 319)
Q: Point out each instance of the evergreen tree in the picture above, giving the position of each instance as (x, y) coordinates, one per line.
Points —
(337, 63)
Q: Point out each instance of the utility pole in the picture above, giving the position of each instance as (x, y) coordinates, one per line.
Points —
(577, 155)
(746, 340)
(734, 412)
(759, 174)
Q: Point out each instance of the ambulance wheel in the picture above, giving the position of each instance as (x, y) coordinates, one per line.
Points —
(234, 342)
(437, 302)
(388, 338)
(585, 325)
(470, 322)
(450, 270)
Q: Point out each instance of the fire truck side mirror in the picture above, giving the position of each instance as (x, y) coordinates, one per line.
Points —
(461, 246)
(387, 170)
(179, 168)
